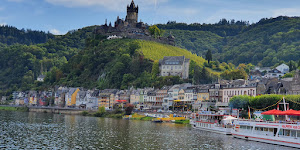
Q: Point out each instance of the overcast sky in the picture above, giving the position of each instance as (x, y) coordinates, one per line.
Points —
(60, 16)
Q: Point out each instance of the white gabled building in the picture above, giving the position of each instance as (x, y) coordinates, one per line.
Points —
(174, 66)
(283, 68)
(41, 78)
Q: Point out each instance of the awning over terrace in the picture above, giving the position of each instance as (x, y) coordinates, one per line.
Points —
(290, 112)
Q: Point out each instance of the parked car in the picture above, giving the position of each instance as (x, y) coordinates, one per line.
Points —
(159, 110)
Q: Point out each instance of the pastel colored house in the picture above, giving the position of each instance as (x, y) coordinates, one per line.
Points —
(70, 97)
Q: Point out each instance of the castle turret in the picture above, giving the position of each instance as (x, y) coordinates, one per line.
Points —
(132, 13)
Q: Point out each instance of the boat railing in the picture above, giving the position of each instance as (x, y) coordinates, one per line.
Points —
(278, 121)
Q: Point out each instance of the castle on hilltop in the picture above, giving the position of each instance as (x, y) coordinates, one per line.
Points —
(131, 28)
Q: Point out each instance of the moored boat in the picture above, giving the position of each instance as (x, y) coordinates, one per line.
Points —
(278, 132)
(157, 120)
(218, 123)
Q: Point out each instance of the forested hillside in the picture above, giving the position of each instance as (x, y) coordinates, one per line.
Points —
(265, 43)
(21, 64)
(10, 35)
(81, 58)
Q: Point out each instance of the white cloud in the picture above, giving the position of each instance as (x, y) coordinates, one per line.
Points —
(286, 12)
(115, 5)
(55, 32)
(3, 23)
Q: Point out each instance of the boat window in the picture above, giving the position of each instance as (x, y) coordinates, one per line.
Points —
(280, 132)
(260, 129)
(298, 133)
(293, 133)
(265, 129)
(271, 129)
(287, 132)
(256, 128)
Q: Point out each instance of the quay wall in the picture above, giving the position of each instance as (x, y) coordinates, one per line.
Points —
(56, 111)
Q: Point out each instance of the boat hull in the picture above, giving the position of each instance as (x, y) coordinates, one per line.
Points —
(269, 140)
(286, 134)
(226, 131)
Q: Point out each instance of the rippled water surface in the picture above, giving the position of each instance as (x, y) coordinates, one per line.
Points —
(21, 130)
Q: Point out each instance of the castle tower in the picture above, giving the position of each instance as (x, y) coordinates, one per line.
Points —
(132, 13)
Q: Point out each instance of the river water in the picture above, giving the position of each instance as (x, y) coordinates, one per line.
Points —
(21, 130)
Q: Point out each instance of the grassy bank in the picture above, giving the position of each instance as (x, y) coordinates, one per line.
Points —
(114, 114)
(182, 121)
(9, 108)
(136, 116)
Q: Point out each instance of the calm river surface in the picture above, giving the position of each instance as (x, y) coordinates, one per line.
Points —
(21, 130)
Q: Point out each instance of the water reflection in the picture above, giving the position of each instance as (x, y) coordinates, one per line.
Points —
(52, 131)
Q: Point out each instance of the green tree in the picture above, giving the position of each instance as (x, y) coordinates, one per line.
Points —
(155, 31)
(192, 68)
(197, 75)
(208, 56)
(155, 69)
(127, 79)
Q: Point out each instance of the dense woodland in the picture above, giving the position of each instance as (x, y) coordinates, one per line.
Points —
(264, 43)
(81, 58)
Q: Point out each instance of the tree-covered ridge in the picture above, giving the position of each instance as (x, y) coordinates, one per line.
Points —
(265, 43)
(197, 42)
(10, 35)
(222, 28)
(20, 65)
(268, 42)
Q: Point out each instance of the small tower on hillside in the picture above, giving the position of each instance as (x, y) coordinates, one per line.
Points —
(132, 13)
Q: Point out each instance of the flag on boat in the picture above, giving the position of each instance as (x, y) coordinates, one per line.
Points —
(249, 115)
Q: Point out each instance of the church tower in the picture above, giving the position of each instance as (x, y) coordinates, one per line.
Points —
(132, 13)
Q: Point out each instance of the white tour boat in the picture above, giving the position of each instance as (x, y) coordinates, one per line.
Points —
(285, 133)
(218, 123)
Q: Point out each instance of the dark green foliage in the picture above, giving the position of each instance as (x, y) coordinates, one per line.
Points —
(204, 77)
(155, 70)
(155, 31)
(84, 113)
(208, 56)
(10, 35)
(110, 64)
(20, 65)
(24, 109)
(234, 74)
(240, 102)
(263, 101)
(265, 43)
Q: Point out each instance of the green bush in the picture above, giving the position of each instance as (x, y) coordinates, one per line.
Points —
(84, 113)
(23, 109)
(263, 101)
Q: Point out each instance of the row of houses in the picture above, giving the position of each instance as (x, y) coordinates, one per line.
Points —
(179, 96)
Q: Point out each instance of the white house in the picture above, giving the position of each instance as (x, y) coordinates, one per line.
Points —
(174, 66)
(283, 68)
(41, 78)
(274, 74)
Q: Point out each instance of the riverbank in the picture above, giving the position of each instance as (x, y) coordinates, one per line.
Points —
(113, 114)
(11, 108)
(170, 118)
(99, 113)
